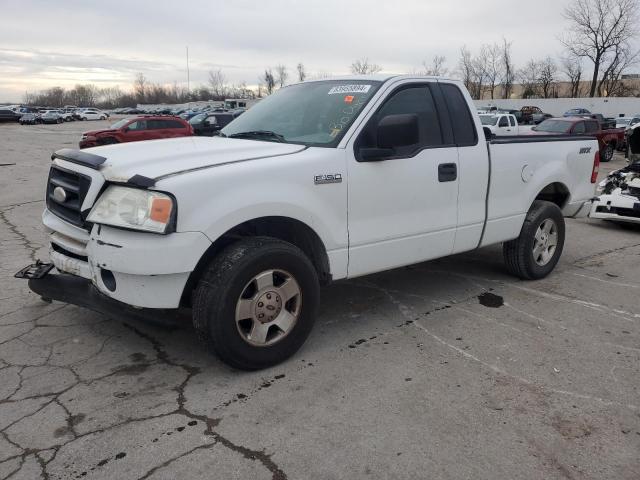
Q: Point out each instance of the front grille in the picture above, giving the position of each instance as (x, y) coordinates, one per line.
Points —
(75, 186)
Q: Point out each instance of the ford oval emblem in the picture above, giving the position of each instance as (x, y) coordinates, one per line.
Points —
(59, 195)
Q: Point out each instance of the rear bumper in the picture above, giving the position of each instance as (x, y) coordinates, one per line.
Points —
(80, 291)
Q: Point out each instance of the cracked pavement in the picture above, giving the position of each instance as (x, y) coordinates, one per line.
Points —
(447, 369)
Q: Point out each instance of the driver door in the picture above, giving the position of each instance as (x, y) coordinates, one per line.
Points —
(403, 208)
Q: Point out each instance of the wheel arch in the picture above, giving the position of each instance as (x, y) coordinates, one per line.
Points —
(284, 228)
(555, 192)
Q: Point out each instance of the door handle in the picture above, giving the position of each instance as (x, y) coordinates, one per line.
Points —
(447, 172)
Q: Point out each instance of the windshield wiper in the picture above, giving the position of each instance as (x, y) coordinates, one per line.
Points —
(258, 134)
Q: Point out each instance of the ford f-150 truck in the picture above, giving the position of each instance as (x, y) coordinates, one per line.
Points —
(321, 181)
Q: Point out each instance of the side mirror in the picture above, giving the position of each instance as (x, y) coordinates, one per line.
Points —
(391, 132)
(488, 134)
(398, 131)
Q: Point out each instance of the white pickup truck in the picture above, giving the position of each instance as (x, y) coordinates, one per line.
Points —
(321, 181)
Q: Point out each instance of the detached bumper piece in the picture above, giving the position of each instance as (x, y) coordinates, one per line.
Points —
(35, 270)
(80, 291)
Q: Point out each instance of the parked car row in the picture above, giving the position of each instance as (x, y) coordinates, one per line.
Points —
(57, 115)
(154, 127)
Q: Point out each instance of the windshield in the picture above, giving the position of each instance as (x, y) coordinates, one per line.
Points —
(553, 126)
(488, 119)
(198, 118)
(314, 113)
(120, 123)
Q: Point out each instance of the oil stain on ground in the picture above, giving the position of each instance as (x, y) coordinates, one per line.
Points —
(491, 300)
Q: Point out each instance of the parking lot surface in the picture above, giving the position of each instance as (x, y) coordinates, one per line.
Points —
(448, 369)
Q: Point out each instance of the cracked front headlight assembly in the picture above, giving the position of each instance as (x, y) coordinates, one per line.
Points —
(135, 209)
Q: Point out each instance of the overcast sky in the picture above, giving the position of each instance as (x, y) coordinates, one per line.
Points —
(47, 43)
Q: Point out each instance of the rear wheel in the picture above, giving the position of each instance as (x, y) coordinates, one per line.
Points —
(606, 154)
(256, 302)
(535, 253)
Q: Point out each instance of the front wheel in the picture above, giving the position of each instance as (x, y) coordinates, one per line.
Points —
(535, 253)
(607, 153)
(256, 302)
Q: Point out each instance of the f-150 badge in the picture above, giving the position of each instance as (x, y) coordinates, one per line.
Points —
(329, 178)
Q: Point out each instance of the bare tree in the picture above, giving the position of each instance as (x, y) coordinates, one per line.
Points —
(620, 59)
(572, 68)
(597, 27)
(529, 77)
(465, 68)
(140, 85)
(490, 61)
(480, 68)
(362, 66)
(269, 81)
(507, 70)
(217, 82)
(547, 77)
(437, 68)
(302, 74)
(281, 75)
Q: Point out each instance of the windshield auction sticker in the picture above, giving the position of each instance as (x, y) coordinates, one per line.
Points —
(349, 89)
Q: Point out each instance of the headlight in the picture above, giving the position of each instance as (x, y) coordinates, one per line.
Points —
(134, 209)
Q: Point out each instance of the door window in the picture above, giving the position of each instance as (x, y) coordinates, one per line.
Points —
(415, 100)
(503, 122)
(137, 126)
(512, 121)
(464, 130)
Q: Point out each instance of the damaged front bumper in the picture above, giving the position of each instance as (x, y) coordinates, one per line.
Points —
(79, 291)
(617, 207)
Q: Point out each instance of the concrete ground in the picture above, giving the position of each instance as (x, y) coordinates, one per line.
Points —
(449, 369)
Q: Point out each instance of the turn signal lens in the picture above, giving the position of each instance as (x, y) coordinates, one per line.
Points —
(161, 210)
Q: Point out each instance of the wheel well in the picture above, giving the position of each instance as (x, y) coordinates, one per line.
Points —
(557, 193)
(283, 228)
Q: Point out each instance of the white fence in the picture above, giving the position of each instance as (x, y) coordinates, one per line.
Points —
(609, 107)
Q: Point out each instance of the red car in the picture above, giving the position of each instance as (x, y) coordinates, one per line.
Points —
(148, 127)
(608, 140)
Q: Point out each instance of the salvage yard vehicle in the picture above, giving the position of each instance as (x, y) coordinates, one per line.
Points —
(148, 127)
(501, 124)
(8, 115)
(608, 140)
(30, 119)
(92, 114)
(321, 181)
(51, 116)
(533, 115)
(208, 124)
(618, 197)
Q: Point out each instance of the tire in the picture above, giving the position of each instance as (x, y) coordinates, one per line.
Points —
(83, 118)
(59, 120)
(519, 256)
(103, 118)
(606, 154)
(231, 280)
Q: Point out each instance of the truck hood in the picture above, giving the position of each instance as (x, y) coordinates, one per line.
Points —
(158, 158)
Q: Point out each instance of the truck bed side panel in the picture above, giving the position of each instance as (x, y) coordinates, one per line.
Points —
(522, 167)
